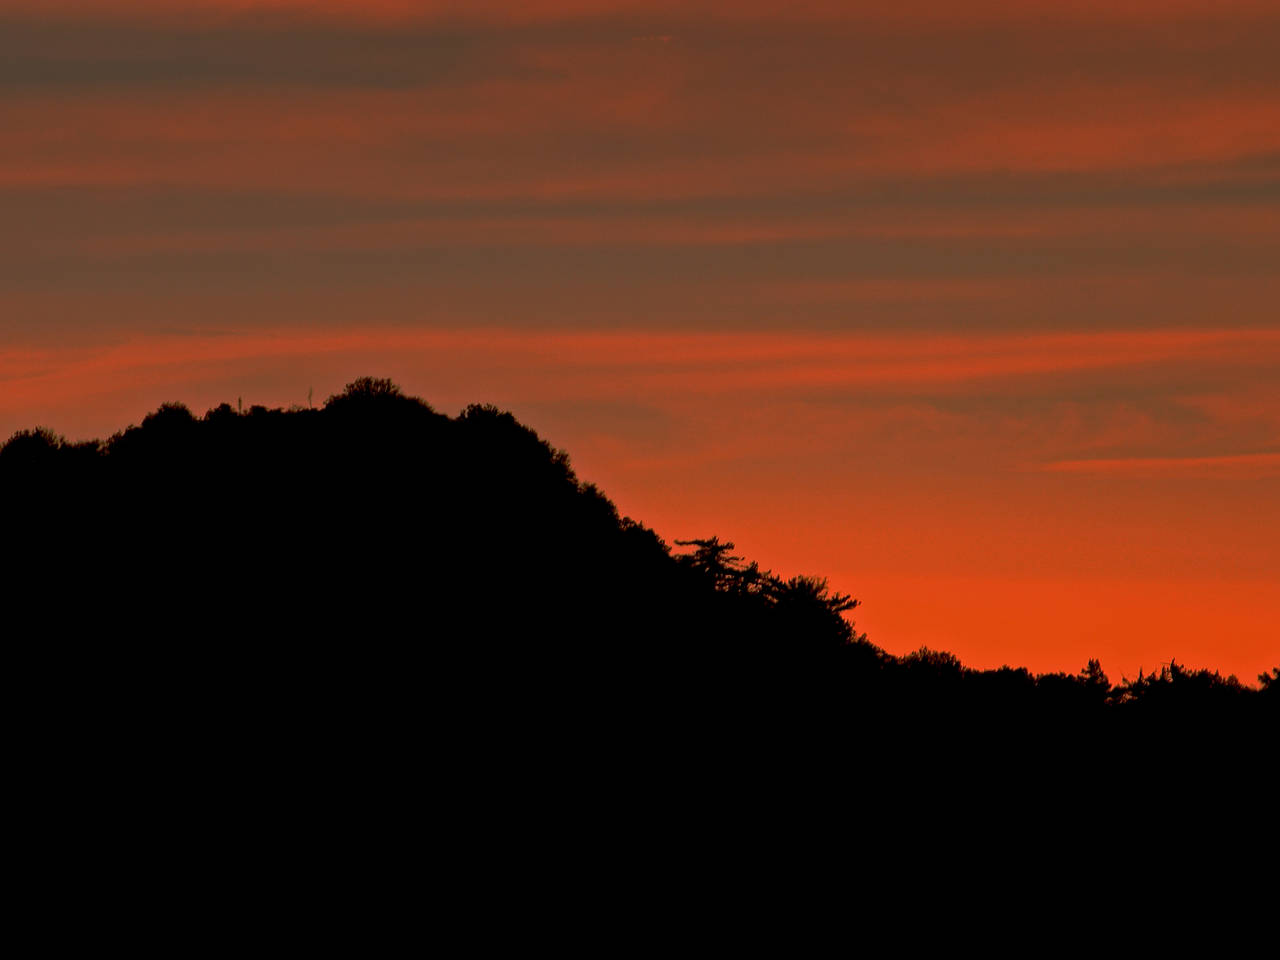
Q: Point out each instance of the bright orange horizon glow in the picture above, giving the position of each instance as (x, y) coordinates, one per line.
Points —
(970, 308)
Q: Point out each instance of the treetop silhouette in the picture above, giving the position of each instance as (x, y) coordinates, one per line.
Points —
(374, 530)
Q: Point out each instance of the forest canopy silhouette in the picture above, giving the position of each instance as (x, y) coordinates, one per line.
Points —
(374, 543)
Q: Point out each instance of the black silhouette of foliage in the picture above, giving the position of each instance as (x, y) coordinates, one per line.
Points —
(365, 388)
(317, 634)
(376, 558)
(31, 450)
(1175, 688)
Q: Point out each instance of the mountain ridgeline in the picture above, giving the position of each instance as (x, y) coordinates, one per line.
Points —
(373, 551)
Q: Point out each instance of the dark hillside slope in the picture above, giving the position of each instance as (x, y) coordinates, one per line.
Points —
(374, 556)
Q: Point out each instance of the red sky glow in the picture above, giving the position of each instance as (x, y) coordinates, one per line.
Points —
(971, 308)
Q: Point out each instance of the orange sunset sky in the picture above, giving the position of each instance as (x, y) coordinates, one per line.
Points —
(969, 307)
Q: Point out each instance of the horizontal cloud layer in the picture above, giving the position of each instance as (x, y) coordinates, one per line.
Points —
(908, 293)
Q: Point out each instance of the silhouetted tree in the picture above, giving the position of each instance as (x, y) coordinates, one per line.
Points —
(30, 449)
(367, 387)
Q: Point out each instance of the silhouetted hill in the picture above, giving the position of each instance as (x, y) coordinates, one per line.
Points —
(375, 558)
(310, 657)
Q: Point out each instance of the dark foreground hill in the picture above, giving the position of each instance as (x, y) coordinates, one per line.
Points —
(339, 662)
(375, 552)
